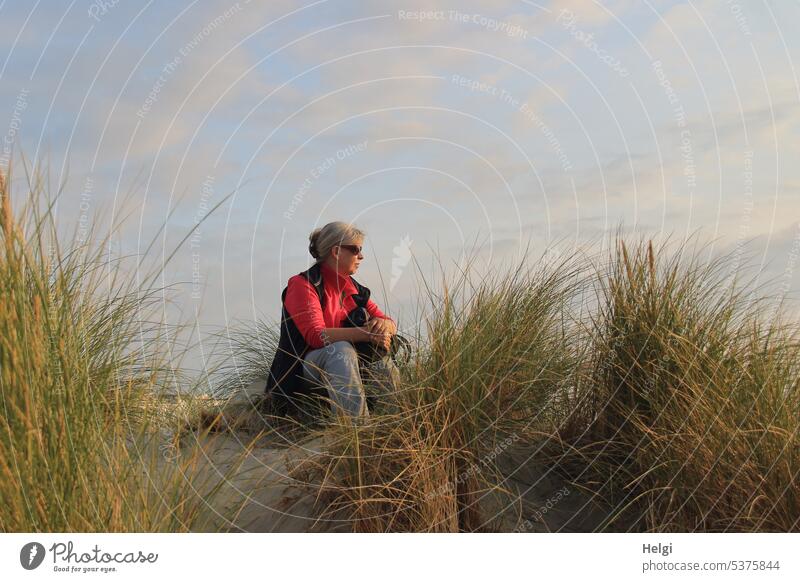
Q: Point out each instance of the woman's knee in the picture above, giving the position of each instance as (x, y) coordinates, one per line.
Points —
(343, 350)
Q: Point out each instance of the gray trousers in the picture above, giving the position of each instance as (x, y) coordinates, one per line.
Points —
(336, 367)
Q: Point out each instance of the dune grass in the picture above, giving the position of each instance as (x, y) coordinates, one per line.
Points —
(650, 382)
(82, 374)
(496, 365)
(674, 402)
(693, 398)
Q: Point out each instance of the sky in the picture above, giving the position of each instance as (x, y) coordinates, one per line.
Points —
(451, 133)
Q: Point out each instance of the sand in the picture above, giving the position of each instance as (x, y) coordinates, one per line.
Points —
(264, 485)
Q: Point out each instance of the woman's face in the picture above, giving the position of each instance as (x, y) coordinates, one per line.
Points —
(345, 260)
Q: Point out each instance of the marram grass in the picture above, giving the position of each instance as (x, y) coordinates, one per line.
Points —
(689, 403)
(670, 395)
(77, 387)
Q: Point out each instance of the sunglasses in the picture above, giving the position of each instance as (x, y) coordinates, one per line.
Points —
(355, 249)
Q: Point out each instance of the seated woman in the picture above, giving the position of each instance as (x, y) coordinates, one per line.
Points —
(316, 346)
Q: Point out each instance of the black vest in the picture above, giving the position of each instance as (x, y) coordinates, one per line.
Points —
(286, 378)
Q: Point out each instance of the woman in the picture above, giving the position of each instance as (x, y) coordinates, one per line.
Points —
(315, 346)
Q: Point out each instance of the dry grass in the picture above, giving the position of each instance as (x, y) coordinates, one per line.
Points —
(497, 353)
(689, 405)
(674, 402)
(670, 396)
(81, 376)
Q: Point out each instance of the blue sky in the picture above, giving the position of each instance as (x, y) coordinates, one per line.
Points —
(430, 125)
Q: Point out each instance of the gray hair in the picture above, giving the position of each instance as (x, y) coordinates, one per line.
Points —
(322, 240)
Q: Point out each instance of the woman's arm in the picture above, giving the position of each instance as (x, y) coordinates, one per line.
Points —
(382, 326)
(302, 304)
(348, 334)
(303, 307)
(355, 334)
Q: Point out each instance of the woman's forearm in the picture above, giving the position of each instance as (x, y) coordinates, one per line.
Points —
(348, 334)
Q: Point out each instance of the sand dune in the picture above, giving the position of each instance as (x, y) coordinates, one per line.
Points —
(264, 482)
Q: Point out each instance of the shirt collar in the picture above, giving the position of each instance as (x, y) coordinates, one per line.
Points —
(341, 282)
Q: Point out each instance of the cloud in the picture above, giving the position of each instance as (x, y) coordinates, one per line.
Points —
(390, 85)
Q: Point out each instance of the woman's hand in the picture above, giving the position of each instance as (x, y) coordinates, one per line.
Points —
(380, 339)
(382, 326)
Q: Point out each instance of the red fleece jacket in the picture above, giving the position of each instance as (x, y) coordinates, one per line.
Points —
(303, 306)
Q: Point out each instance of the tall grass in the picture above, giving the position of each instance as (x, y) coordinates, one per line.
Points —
(670, 395)
(695, 398)
(672, 399)
(498, 351)
(81, 371)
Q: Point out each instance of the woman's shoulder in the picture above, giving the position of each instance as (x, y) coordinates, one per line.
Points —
(301, 283)
(298, 290)
(298, 281)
